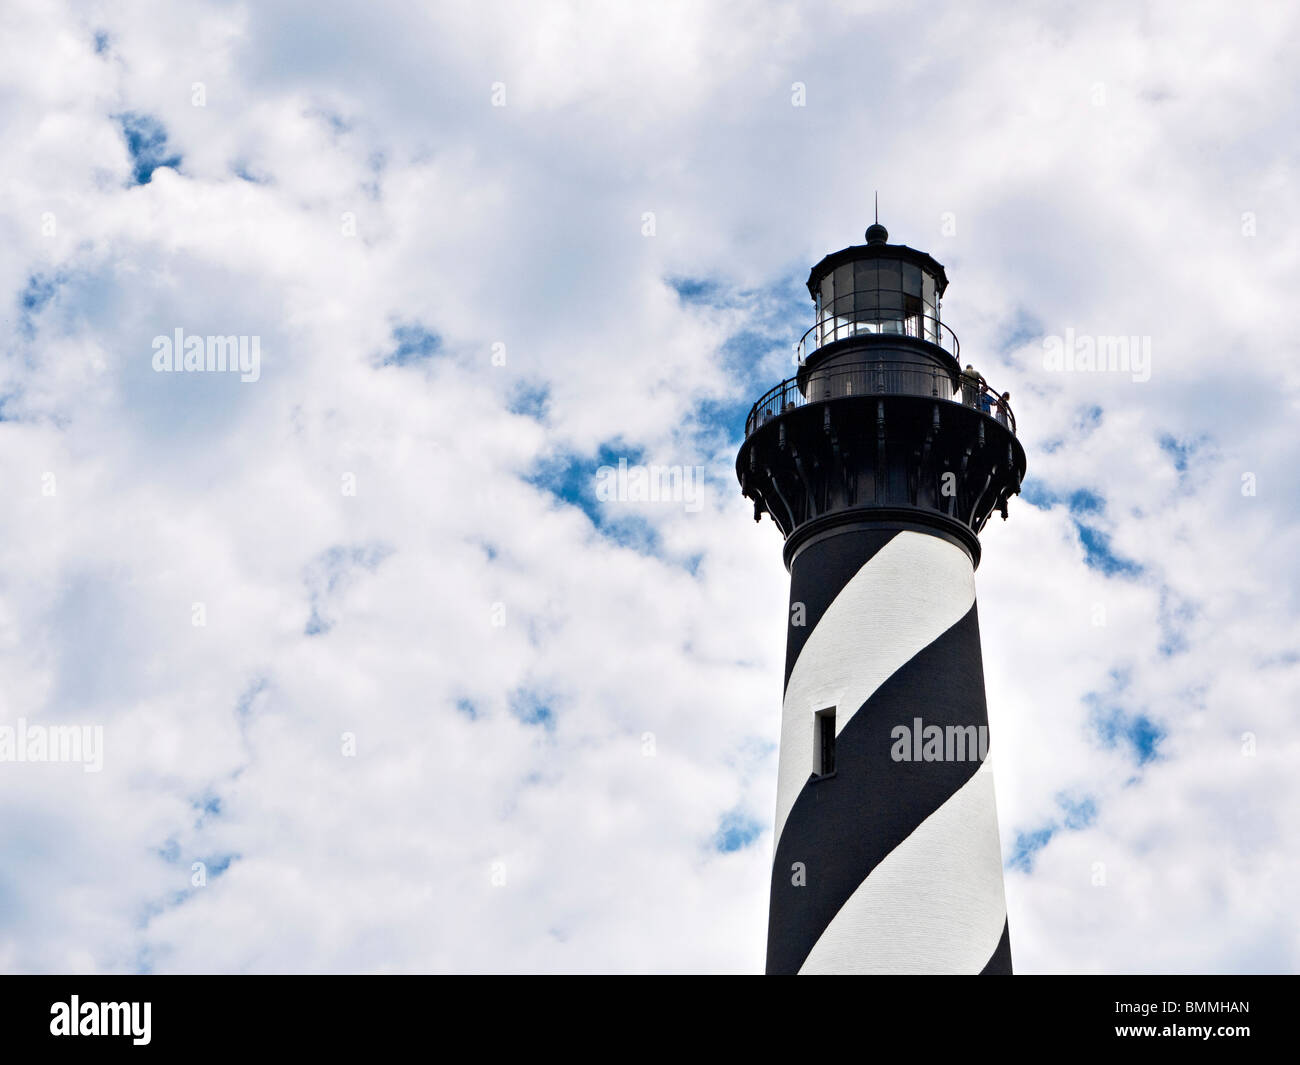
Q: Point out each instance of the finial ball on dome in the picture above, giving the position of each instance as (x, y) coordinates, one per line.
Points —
(877, 234)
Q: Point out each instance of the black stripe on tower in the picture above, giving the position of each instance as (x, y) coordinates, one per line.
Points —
(842, 826)
(1000, 962)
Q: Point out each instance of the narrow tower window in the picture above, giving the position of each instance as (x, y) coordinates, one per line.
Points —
(824, 743)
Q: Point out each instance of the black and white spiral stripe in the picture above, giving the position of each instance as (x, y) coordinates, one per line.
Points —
(901, 864)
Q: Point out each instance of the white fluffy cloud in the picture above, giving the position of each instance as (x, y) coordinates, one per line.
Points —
(565, 711)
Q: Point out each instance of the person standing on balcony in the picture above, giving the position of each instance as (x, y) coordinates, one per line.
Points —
(971, 381)
(1004, 410)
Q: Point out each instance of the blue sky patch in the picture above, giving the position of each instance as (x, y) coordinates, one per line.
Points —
(696, 290)
(146, 140)
(1178, 450)
(1088, 418)
(1079, 812)
(1037, 494)
(1182, 451)
(725, 417)
(531, 400)
(532, 708)
(1084, 501)
(1080, 501)
(33, 299)
(219, 864)
(1027, 845)
(412, 343)
(1097, 553)
(736, 831)
(747, 356)
(1117, 727)
(571, 478)
(207, 805)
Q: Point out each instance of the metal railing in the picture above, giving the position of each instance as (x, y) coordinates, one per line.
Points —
(868, 312)
(873, 377)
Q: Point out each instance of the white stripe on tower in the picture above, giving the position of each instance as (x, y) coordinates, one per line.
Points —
(936, 904)
(912, 591)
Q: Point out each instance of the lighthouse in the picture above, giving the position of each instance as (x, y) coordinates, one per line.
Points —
(881, 461)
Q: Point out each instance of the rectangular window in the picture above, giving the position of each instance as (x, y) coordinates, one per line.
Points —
(824, 743)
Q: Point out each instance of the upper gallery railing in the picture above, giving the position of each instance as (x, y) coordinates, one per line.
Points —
(878, 377)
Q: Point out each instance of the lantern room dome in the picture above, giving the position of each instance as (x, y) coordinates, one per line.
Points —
(878, 250)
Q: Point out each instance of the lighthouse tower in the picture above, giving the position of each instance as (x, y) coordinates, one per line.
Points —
(880, 462)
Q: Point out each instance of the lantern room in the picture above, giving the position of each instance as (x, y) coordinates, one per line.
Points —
(876, 288)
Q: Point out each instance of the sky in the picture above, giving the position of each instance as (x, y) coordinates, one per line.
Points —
(386, 682)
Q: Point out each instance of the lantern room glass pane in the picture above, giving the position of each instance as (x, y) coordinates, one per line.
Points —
(911, 279)
(825, 321)
(891, 278)
(929, 308)
(844, 291)
(842, 309)
(865, 282)
(891, 296)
